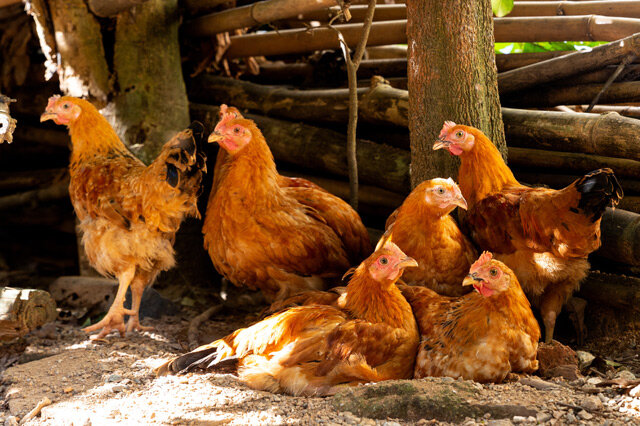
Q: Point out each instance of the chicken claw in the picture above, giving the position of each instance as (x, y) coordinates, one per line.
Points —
(114, 320)
(134, 324)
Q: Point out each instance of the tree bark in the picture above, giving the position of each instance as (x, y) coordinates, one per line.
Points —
(507, 62)
(151, 105)
(570, 95)
(110, 8)
(617, 291)
(606, 135)
(571, 64)
(629, 9)
(452, 76)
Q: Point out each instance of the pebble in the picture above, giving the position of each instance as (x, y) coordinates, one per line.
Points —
(584, 359)
(592, 403)
(114, 378)
(557, 414)
(594, 380)
(519, 419)
(626, 374)
(11, 421)
(585, 415)
(391, 424)
(500, 422)
(542, 417)
(570, 418)
(635, 392)
(119, 388)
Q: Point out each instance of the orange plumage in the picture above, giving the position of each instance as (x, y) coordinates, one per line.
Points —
(128, 212)
(312, 350)
(423, 228)
(544, 235)
(480, 336)
(263, 230)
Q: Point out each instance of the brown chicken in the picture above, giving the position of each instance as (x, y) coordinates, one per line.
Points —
(129, 213)
(480, 336)
(544, 235)
(262, 230)
(313, 350)
(424, 230)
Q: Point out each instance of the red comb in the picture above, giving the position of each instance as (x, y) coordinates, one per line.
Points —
(52, 101)
(448, 125)
(226, 114)
(484, 258)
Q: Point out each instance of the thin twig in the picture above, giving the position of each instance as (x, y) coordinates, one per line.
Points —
(626, 61)
(192, 334)
(33, 413)
(352, 70)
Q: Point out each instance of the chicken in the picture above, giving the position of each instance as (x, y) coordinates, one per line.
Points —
(480, 336)
(544, 235)
(262, 230)
(313, 350)
(129, 213)
(423, 228)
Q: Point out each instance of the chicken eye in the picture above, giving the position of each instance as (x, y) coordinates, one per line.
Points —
(459, 134)
(493, 272)
(65, 106)
(440, 190)
(236, 130)
(383, 261)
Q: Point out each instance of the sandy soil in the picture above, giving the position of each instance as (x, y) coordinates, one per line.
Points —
(104, 383)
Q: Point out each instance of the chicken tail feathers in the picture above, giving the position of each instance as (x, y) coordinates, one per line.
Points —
(598, 190)
(204, 359)
(185, 159)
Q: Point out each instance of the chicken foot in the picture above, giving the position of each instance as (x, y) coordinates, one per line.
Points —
(551, 304)
(114, 319)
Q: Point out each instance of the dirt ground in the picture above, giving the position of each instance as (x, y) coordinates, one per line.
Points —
(112, 382)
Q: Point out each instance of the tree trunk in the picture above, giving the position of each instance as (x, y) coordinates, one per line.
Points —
(23, 310)
(452, 76)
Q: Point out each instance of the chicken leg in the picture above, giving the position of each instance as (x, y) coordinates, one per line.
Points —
(138, 285)
(114, 320)
(552, 300)
(576, 307)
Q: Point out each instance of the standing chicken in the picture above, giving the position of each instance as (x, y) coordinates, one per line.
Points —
(263, 230)
(129, 213)
(480, 336)
(544, 235)
(423, 228)
(312, 350)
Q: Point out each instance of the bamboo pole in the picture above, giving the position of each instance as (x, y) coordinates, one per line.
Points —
(621, 236)
(605, 135)
(630, 203)
(570, 95)
(617, 291)
(301, 41)
(557, 181)
(4, 3)
(627, 111)
(251, 15)
(575, 162)
(562, 28)
(110, 8)
(629, 9)
(507, 62)
(201, 7)
(567, 65)
(384, 12)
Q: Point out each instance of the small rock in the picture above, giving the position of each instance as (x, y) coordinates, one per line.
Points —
(592, 403)
(448, 380)
(11, 421)
(626, 375)
(518, 419)
(500, 422)
(391, 424)
(542, 417)
(635, 392)
(557, 414)
(114, 378)
(584, 359)
(570, 418)
(594, 380)
(118, 388)
(68, 390)
(585, 415)
(531, 419)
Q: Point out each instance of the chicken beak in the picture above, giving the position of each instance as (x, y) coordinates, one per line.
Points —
(47, 115)
(407, 262)
(472, 279)
(460, 202)
(215, 137)
(439, 144)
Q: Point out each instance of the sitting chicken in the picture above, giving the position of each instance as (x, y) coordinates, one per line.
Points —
(262, 230)
(544, 235)
(313, 350)
(480, 336)
(129, 213)
(423, 228)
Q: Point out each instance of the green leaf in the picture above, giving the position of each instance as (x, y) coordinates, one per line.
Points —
(501, 7)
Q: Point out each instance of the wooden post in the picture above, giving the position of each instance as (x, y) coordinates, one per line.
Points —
(23, 310)
(450, 78)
